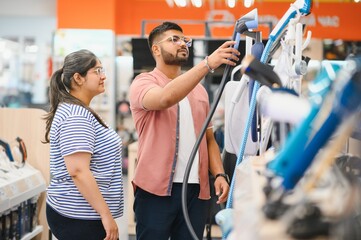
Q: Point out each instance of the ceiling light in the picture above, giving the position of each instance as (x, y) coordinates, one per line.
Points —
(248, 3)
(231, 3)
(181, 3)
(197, 3)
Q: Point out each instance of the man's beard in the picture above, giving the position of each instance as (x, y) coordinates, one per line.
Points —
(170, 59)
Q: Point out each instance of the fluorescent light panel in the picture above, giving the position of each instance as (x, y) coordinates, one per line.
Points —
(197, 3)
(231, 3)
(181, 3)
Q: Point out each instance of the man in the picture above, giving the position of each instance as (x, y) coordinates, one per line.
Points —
(169, 108)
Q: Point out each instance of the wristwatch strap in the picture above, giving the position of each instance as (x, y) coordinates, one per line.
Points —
(223, 175)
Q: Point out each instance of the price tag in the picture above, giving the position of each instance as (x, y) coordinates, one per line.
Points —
(7, 191)
(35, 180)
(23, 185)
(13, 190)
(3, 196)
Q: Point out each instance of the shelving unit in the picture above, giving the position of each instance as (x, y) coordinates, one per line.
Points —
(34, 233)
(32, 179)
(21, 185)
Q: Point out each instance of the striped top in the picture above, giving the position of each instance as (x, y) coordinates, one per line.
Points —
(75, 129)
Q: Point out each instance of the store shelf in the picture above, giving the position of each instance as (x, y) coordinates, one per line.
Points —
(32, 234)
(29, 124)
(21, 184)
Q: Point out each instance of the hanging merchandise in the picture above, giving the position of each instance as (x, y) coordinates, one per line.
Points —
(347, 102)
(313, 209)
(318, 90)
(5, 162)
(299, 7)
(236, 98)
(16, 152)
(290, 67)
(339, 122)
(19, 153)
(241, 26)
(284, 64)
(7, 149)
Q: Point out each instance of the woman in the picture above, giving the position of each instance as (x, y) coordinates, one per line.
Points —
(85, 194)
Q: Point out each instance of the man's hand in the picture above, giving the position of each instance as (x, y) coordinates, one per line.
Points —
(222, 188)
(225, 54)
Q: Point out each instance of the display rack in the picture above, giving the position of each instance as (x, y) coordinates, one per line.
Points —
(21, 184)
(34, 233)
(32, 179)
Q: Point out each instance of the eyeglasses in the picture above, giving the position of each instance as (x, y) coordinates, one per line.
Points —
(177, 40)
(100, 71)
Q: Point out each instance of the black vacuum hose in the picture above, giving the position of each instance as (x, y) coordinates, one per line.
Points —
(226, 73)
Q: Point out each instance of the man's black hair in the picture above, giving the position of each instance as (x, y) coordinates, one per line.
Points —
(165, 26)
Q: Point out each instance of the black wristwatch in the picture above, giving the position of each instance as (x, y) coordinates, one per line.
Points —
(223, 175)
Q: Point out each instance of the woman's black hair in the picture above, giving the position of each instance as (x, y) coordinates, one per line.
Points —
(60, 84)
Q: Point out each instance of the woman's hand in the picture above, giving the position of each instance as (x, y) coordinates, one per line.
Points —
(111, 227)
